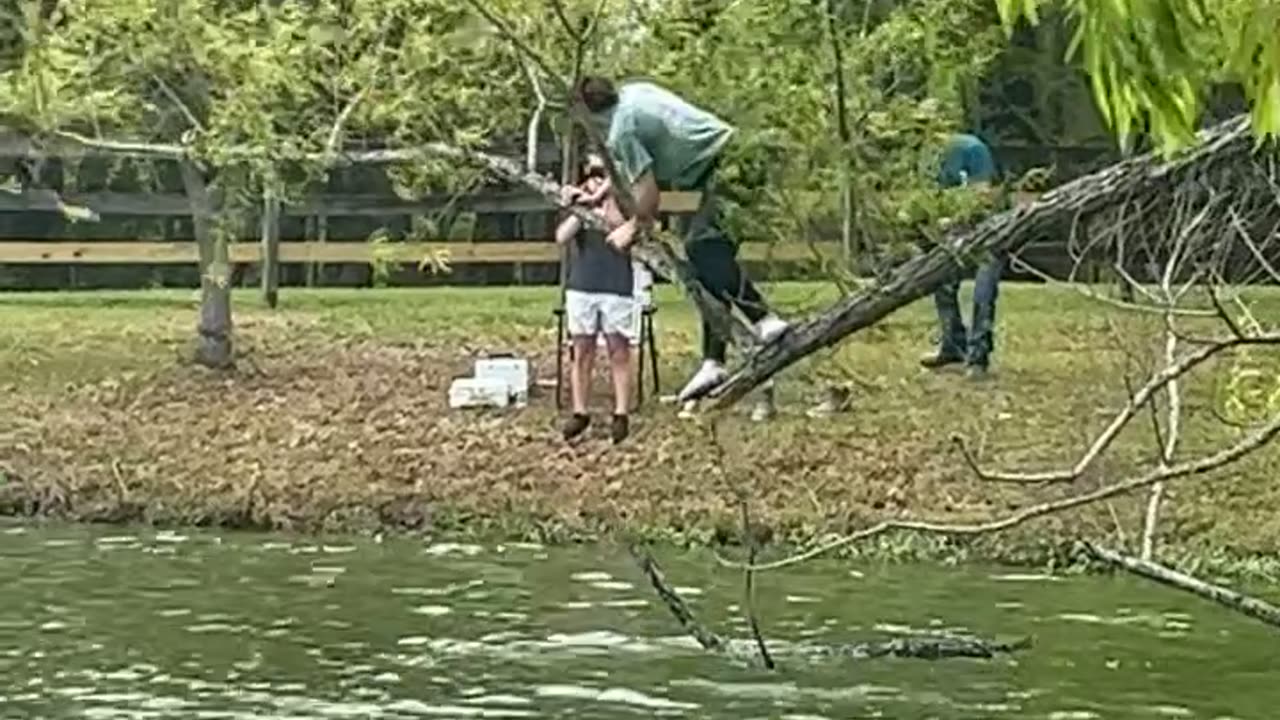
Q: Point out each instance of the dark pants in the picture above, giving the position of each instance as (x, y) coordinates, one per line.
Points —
(975, 345)
(714, 257)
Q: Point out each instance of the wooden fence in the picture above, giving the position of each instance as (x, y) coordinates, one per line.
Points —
(269, 251)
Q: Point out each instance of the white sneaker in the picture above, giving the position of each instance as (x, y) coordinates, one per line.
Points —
(688, 411)
(770, 328)
(708, 376)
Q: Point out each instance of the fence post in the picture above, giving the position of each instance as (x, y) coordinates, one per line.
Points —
(270, 248)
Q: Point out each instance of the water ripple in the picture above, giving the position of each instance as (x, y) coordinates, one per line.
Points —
(620, 696)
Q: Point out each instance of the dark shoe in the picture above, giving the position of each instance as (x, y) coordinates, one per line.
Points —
(576, 425)
(620, 428)
(937, 361)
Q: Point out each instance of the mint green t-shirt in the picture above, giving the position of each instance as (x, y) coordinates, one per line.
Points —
(652, 128)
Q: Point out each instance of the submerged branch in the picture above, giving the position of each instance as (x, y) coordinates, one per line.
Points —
(748, 588)
(676, 604)
(923, 647)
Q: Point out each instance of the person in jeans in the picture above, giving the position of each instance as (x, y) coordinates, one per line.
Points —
(967, 162)
(660, 142)
(598, 302)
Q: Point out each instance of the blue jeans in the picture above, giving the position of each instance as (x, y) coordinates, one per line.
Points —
(975, 345)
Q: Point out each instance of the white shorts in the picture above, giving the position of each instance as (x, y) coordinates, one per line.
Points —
(599, 314)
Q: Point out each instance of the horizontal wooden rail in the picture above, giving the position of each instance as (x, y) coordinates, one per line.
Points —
(331, 205)
(104, 252)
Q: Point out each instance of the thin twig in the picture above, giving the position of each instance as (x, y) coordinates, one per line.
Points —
(1108, 435)
(1223, 315)
(595, 20)
(569, 29)
(748, 588)
(1020, 264)
(1245, 236)
(1115, 520)
(177, 101)
(501, 26)
(335, 133)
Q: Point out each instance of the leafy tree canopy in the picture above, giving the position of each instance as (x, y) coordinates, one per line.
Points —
(1153, 63)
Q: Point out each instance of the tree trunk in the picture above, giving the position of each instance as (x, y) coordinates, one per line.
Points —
(1007, 232)
(842, 125)
(270, 249)
(214, 346)
(568, 176)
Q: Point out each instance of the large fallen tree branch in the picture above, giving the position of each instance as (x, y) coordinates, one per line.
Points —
(1239, 602)
(1007, 232)
(925, 647)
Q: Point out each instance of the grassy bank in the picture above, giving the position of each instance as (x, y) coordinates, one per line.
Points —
(338, 421)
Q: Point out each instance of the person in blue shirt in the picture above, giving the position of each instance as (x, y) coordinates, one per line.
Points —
(660, 142)
(967, 162)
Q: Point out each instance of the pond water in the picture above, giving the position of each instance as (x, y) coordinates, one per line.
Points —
(111, 623)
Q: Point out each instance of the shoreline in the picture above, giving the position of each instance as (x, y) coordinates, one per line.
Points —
(1061, 558)
(339, 424)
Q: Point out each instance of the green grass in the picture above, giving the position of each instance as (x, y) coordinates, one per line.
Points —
(342, 424)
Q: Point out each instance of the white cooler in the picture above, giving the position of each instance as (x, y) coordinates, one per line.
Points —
(479, 393)
(514, 372)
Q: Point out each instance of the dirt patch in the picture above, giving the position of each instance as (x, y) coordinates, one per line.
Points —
(358, 437)
(340, 422)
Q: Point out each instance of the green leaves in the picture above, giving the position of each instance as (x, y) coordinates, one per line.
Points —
(1152, 62)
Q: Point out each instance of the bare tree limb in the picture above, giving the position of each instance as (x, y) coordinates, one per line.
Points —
(177, 101)
(1020, 264)
(1239, 602)
(531, 141)
(1144, 394)
(1199, 466)
(335, 132)
(570, 30)
(657, 255)
(1173, 417)
(1245, 236)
